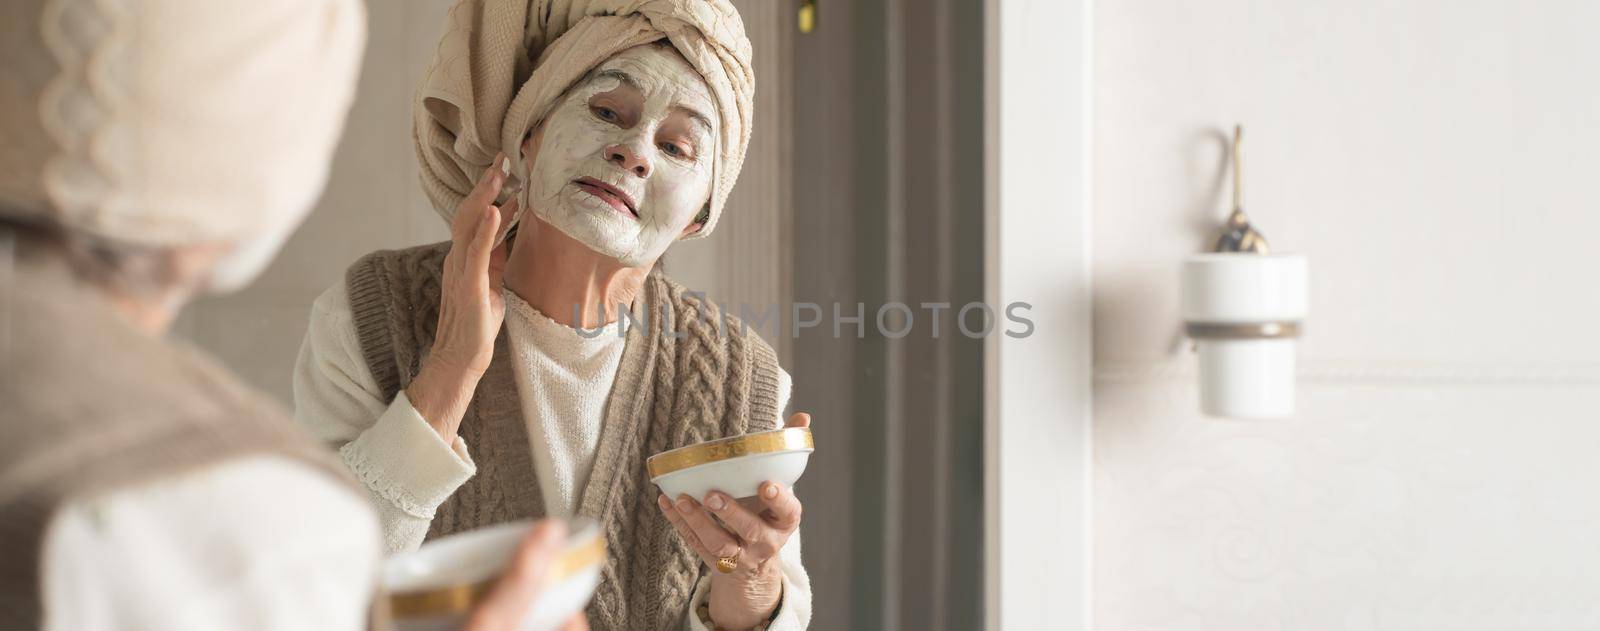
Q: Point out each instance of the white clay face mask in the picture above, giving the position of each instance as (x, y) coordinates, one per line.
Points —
(623, 163)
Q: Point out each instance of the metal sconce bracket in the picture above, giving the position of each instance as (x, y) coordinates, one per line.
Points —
(1237, 235)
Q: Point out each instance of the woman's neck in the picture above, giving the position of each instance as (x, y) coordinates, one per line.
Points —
(567, 281)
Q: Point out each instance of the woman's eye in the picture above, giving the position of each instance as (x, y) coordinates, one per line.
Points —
(605, 114)
(677, 151)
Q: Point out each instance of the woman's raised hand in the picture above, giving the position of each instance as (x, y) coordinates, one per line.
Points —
(471, 305)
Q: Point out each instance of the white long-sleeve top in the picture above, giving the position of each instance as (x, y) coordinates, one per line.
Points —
(563, 381)
(558, 375)
(256, 543)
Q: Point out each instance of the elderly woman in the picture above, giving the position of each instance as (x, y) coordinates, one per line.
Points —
(603, 131)
(141, 486)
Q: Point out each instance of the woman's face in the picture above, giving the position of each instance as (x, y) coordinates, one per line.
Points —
(623, 162)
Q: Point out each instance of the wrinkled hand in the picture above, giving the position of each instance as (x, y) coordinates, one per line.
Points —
(508, 603)
(755, 532)
(471, 306)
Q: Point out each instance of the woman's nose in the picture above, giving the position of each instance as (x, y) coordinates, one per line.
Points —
(629, 158)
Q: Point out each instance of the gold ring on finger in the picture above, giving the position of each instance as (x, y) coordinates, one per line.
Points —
(727, 564)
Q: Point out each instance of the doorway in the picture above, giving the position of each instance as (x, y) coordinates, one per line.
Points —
(888, 207)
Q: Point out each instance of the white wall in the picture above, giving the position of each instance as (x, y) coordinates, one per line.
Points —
(1437, 161)
(1037, 411)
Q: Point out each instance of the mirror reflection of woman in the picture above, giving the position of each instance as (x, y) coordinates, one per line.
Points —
(454, 377)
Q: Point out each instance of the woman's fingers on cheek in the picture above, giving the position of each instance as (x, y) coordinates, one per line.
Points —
(464, 226)
(464, 231)
(460, 224)
(782, 506)
(506, 212)
(472, 208)
(488, 184)
(482, 234)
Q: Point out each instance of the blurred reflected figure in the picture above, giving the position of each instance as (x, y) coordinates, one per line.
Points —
(150, 151)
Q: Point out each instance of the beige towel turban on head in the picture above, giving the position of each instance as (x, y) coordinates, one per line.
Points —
(502, 65)
(173, 122)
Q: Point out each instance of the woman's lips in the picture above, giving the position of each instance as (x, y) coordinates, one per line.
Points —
(609, 194)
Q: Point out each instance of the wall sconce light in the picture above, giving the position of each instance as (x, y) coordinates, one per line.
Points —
(1244, 307)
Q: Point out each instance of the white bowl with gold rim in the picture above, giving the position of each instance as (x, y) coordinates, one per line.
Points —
(736, 465)
(435, 586)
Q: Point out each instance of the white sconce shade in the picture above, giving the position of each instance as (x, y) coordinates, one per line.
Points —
(1244, 312)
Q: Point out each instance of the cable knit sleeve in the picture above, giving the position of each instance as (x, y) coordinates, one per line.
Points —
(794, 611)
(404, 464)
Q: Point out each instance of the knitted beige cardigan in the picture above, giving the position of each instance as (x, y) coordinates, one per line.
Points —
(502, 64)
(683, 378)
